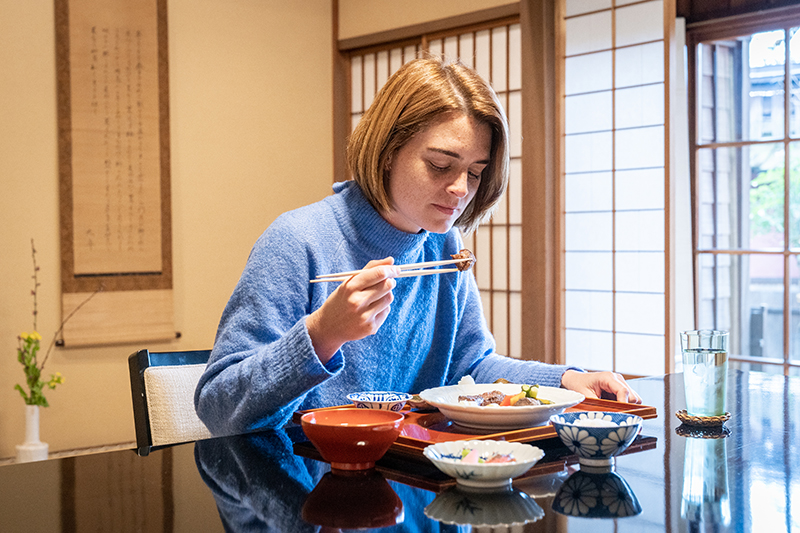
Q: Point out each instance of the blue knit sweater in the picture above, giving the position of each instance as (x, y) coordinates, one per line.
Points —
(263, 366)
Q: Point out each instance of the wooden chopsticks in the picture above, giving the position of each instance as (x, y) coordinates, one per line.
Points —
(411, 269)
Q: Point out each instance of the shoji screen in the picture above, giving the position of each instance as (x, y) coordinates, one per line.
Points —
(493, 49)
(615, 260)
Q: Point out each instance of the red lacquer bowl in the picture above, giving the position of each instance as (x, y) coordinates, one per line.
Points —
(352, 439)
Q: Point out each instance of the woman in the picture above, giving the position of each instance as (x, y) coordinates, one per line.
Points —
(429, 158)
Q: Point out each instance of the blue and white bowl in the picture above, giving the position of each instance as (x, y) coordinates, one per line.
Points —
(447, 457)
(596, 437)
(383, 400)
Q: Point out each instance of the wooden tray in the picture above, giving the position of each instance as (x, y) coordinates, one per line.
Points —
(424, 428)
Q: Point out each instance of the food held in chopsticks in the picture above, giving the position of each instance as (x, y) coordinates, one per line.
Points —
(467, 258)
(463, 261)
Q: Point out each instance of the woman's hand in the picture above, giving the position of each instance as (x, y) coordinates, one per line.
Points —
(356, 309)
(595, 384)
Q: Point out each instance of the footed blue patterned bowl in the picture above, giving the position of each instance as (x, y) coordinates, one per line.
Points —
(383, 400)
(596, 437)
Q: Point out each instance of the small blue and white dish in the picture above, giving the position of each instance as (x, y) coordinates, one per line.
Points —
(596, 437)
(383, 400)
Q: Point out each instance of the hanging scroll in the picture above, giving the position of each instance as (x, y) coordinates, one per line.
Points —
(113, 122)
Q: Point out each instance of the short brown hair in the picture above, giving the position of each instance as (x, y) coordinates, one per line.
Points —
(413, 97)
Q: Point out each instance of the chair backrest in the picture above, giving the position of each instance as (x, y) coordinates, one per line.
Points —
(162, 390)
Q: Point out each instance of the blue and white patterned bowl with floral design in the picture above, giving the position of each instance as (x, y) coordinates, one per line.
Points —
(596, 437)
(383, 400)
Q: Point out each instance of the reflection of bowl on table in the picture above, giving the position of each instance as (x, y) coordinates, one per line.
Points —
(383, 400)
(447, 457)
(352, 439)
(596, 495)
(495, 416)
(478, 508)
(353, 500)
(596, 437)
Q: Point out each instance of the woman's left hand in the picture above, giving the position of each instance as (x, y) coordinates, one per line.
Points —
(594, 384)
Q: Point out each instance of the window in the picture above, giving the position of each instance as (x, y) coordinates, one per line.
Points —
(746, 169)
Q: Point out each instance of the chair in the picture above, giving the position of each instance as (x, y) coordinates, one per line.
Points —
(162, 390)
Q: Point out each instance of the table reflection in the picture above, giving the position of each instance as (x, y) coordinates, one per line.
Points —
(705, 499)
(259, 484)
(596, 493)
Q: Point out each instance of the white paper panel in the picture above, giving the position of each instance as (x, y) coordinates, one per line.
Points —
(354, 121)
(639, 148)
(515, 327)
(640, 313)
(588, 231)
(451, 47)
(639, 23)
(482, 254)
(482, 39)
(499, 324)
(589, 310)
(639, 106)
(369, 80)
(514, 194)
(514, 111)
(640, 189)
(640, 230)
(487, 304)
(436, 47)
(409, 53)
(499, 258)
(588, 271)
(588, 152)
(469, 241)
(588, 112)
(577, 7)
(381, 69)
(500, 216)
(588, 192)
(641, 355)
(356, 75)
(466, 46)
(588, 33)
(499, 59)
(639, 271)
(591, 350)
(639, 65)
(395, 60)
(514, 58)
(515, 258)
(590, 72)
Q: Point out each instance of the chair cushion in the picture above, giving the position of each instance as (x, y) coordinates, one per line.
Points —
(170, 404)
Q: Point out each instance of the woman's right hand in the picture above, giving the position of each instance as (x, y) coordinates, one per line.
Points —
(356, 309)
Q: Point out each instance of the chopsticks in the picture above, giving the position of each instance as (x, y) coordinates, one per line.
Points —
(411, 269)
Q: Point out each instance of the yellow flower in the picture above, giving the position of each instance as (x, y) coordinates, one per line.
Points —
(23, 335)
(35, 336)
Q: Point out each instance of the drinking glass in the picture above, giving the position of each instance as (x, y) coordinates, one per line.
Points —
(705, 371)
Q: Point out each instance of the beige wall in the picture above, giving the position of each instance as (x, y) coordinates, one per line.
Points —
(251, 129)
(363, 17)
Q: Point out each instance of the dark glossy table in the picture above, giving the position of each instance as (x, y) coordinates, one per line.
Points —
(746, 481)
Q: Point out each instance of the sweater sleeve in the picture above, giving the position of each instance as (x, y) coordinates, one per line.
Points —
(263, 362)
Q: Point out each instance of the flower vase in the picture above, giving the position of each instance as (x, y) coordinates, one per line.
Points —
(32, 449)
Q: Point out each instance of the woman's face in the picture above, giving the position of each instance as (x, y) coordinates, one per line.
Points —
(434, 176)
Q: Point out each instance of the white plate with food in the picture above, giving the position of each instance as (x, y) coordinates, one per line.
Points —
(463, 404)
